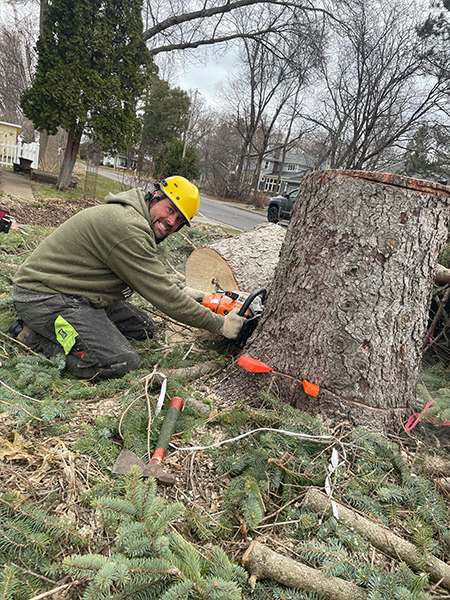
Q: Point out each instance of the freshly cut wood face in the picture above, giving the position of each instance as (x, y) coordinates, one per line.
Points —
(243, 262)
(207, 270)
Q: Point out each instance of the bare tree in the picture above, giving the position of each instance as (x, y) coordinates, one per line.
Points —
(179, 25)
(219, 151)
(17, 63)
(373, 89)
(272, 71)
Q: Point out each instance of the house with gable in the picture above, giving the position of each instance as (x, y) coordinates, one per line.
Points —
(278, 178)
(9, 138)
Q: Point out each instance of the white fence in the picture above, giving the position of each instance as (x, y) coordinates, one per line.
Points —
(10, 153)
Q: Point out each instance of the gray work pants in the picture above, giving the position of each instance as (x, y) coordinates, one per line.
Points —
(100, 349)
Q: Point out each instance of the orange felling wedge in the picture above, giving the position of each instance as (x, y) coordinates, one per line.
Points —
(310, 388)
(253, 365)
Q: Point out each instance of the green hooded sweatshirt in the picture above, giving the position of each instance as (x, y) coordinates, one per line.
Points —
(107, 252)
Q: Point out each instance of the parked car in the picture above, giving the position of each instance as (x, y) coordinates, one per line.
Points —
(280, 207)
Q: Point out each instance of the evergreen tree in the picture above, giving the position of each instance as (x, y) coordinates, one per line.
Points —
(171, 161)
(417, 156)
(427, 154)
(93, 66)
(166, 116)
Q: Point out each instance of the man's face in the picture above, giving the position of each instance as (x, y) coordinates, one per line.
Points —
(165, 218)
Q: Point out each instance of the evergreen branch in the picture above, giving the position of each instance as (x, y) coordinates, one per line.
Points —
(37, 575)
(179, 591)
(41, 519)
(9, 582)
(219, 589)
(112, 507)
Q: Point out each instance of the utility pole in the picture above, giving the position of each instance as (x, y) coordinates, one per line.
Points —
(191, 115)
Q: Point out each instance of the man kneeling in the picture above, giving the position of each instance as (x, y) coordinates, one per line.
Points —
(71, 293)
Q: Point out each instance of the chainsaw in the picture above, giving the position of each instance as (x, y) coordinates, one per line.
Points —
(246, 305)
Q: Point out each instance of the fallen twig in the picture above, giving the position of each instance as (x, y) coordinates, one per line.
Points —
(11, 339)
(187, 240)
(194, 371)
(60, 588)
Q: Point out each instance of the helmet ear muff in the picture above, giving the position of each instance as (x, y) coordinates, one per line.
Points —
(150, 196)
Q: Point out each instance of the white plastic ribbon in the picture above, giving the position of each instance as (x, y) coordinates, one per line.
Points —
(332, 468)
(188, 352)
(162, 393)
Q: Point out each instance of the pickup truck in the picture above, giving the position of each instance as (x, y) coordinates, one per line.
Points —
(280, 207)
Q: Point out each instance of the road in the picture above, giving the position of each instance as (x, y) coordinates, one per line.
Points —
(212, 211)
(230, 214)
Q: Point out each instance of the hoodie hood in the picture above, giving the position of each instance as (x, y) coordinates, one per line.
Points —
(134, 198)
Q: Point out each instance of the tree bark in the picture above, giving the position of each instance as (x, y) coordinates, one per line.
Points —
(380, 537)
(263, 563)
(350, 297)
(242, 262)
(70, 156)
(247, 261)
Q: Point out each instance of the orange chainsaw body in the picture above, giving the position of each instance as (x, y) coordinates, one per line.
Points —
(244, 304)
(223, 303)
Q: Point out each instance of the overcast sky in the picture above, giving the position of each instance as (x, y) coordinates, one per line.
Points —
(202, 77)
(206, 79)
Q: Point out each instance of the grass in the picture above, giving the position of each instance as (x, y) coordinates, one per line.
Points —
(103, 188)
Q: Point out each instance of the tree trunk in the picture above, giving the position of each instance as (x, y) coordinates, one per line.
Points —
(349, 301)
(70, 156)
(242, 262)
(43, 141)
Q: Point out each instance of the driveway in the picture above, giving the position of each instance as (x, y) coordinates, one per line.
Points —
(16, 185)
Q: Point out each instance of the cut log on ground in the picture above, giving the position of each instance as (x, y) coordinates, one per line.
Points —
(380, 537)
(242, 262)
(263, 563)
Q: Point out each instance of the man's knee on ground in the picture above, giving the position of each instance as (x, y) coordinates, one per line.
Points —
(119, 366)
(83, 362)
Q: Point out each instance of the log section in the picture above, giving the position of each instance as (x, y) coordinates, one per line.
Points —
(242, 262)
(380, 537)
(263, 563)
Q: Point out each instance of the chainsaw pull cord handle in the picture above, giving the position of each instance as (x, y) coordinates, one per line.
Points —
(167, 429)
(249, 300)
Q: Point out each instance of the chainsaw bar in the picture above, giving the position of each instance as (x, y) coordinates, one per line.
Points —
(248, 305)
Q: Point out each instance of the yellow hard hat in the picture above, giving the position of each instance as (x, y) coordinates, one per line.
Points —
(183, 194)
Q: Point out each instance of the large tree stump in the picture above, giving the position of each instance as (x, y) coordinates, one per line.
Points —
(349, 301)
(242, 262)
